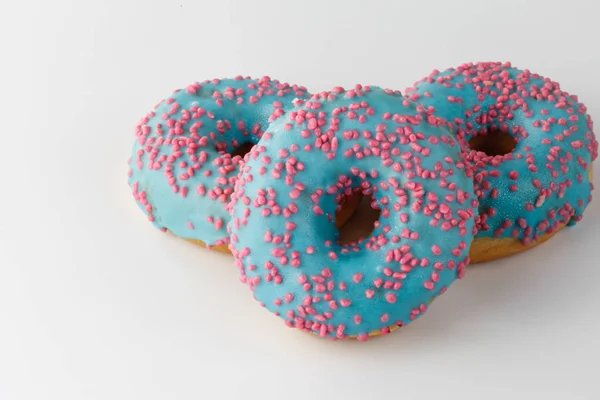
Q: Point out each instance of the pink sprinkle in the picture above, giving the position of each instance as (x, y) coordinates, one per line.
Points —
(345, 302)
(278, 251)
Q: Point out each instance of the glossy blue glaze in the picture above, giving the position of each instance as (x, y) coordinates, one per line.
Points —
(282, 231)
(545, 181)
(181, 171)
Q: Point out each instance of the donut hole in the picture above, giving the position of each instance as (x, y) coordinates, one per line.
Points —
(493, 142)
(242, 149)
(362, 223)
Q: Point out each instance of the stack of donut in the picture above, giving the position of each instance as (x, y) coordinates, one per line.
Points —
(472, 164)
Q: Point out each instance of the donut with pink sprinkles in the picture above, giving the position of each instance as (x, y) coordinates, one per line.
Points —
(184, 167)
(540, 183)
(286, 247)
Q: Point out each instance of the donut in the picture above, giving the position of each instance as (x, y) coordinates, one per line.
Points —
(287, 250)
(531, 145)
(188, 150)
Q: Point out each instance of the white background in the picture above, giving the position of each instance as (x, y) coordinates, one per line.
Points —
(97, 304)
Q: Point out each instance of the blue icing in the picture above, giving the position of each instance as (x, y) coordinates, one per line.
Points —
(552, 130)
(199, 126)
(282, 232)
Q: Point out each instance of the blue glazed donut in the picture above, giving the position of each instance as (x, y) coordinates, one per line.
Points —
(286, 247)
(182, 170)
(544, 182)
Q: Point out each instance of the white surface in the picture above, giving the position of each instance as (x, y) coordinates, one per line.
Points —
(97, 304)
